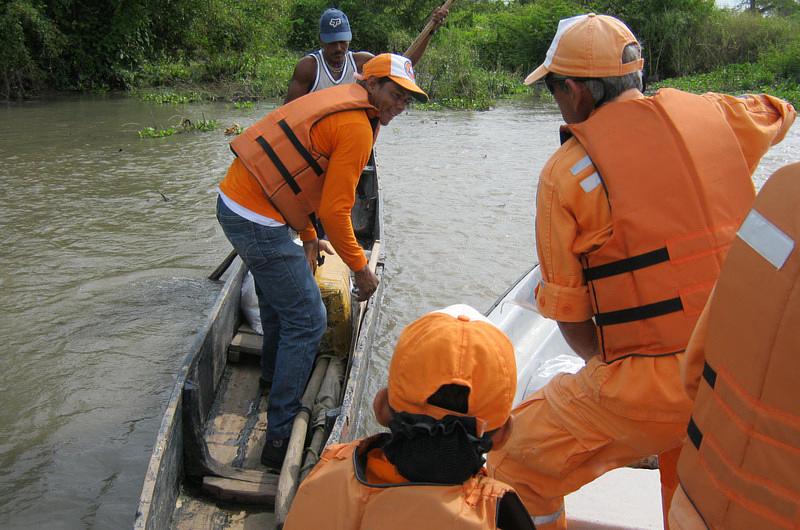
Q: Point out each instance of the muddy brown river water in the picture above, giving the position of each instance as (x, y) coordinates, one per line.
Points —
(107, 240)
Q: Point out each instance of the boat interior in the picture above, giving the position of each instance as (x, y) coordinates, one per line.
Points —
(224, 485)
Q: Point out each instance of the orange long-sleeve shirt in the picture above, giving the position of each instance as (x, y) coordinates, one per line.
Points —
(571, 222)
(346, 138)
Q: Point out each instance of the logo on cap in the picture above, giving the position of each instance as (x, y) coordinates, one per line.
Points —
(409, 70)
(335, 22)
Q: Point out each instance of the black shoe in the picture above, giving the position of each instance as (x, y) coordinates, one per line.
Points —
(274, 452)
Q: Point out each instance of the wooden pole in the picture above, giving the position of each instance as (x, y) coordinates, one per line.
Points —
(290, 471)
(426, 32)
(326, 400)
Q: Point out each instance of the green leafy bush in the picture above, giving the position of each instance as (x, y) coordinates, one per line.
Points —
(246, 50)
(517, 39)
(30, 46)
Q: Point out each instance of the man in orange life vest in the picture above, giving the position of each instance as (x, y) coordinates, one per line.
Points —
(334, 64)
(634, 215)
(740, 466)
(451, 385)
(297, 165)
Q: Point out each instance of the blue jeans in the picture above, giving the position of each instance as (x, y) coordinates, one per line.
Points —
(292, 313)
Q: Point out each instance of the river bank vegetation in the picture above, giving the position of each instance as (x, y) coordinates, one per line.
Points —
(180, 51)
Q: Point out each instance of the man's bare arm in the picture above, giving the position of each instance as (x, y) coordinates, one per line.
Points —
(360, 58)
(420, 44)
(302, 79)
(581, 337)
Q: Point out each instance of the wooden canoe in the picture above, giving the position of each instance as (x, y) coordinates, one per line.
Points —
(205, 471)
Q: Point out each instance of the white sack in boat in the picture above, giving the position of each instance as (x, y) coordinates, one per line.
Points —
(249, 303)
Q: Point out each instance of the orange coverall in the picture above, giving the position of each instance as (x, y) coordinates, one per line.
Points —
(607, 415)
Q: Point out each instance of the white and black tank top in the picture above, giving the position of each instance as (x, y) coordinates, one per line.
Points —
(325, 79)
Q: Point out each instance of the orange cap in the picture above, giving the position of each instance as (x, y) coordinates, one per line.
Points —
(588, 46)
(456, 345)
(395, 67)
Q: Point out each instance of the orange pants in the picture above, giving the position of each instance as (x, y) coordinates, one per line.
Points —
(581, 425)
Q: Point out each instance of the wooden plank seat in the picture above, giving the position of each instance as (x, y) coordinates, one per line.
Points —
(235, 490)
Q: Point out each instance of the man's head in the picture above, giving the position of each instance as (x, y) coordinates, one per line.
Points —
(334, 35)
(391, 84)
(592, 60)
(454, 362)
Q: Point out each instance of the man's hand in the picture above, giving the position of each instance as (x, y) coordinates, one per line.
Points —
(312, 249)
(366, 283)
(326, 247)
(438, 17)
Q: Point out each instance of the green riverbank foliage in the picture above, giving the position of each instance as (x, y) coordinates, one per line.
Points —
(183, 50)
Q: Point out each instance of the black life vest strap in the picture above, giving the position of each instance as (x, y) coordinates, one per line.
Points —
(631, 264)
(641, 312)
(273, 156)
(695, 434)
(301, 149)
(710, 375)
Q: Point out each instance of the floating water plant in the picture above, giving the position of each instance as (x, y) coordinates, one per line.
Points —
(185, 125)
(152, 132)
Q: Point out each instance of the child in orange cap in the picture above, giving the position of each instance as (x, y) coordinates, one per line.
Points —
(451, 385)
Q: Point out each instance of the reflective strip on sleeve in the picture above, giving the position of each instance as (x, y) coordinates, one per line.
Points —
(591, 182)
(582, 164)
(766, 239)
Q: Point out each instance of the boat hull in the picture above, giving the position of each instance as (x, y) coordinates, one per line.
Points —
(196, 479)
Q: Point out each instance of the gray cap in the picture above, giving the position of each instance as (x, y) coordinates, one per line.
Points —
(334, 26)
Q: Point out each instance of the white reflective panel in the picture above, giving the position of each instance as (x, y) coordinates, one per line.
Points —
(591, 182)
(582, 164)
(766, 239)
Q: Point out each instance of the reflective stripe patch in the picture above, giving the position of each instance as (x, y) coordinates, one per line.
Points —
(541, 520)
(582, 164)
(591, 182)
(766, 239)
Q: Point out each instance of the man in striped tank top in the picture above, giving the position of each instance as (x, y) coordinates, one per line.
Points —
(334, 64)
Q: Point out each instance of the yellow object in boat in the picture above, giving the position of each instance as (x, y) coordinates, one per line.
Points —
(333, 278)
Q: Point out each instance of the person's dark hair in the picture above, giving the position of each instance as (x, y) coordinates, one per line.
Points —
(381, 81)
(605, 89)
(445, 451)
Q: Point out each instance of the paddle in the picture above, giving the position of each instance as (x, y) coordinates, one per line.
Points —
(222, 267)
(426, 32)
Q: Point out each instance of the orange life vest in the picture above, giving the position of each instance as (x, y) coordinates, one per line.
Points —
(740, 468)
(337, 495)
(278, 152)
(678, 186)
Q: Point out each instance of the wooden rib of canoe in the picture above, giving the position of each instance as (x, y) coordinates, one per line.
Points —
(205, 469)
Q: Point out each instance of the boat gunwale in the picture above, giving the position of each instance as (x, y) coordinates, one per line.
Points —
(171, 428)
(170, 448)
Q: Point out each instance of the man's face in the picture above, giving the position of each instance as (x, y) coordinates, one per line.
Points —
(389, 98)
(334, 52)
